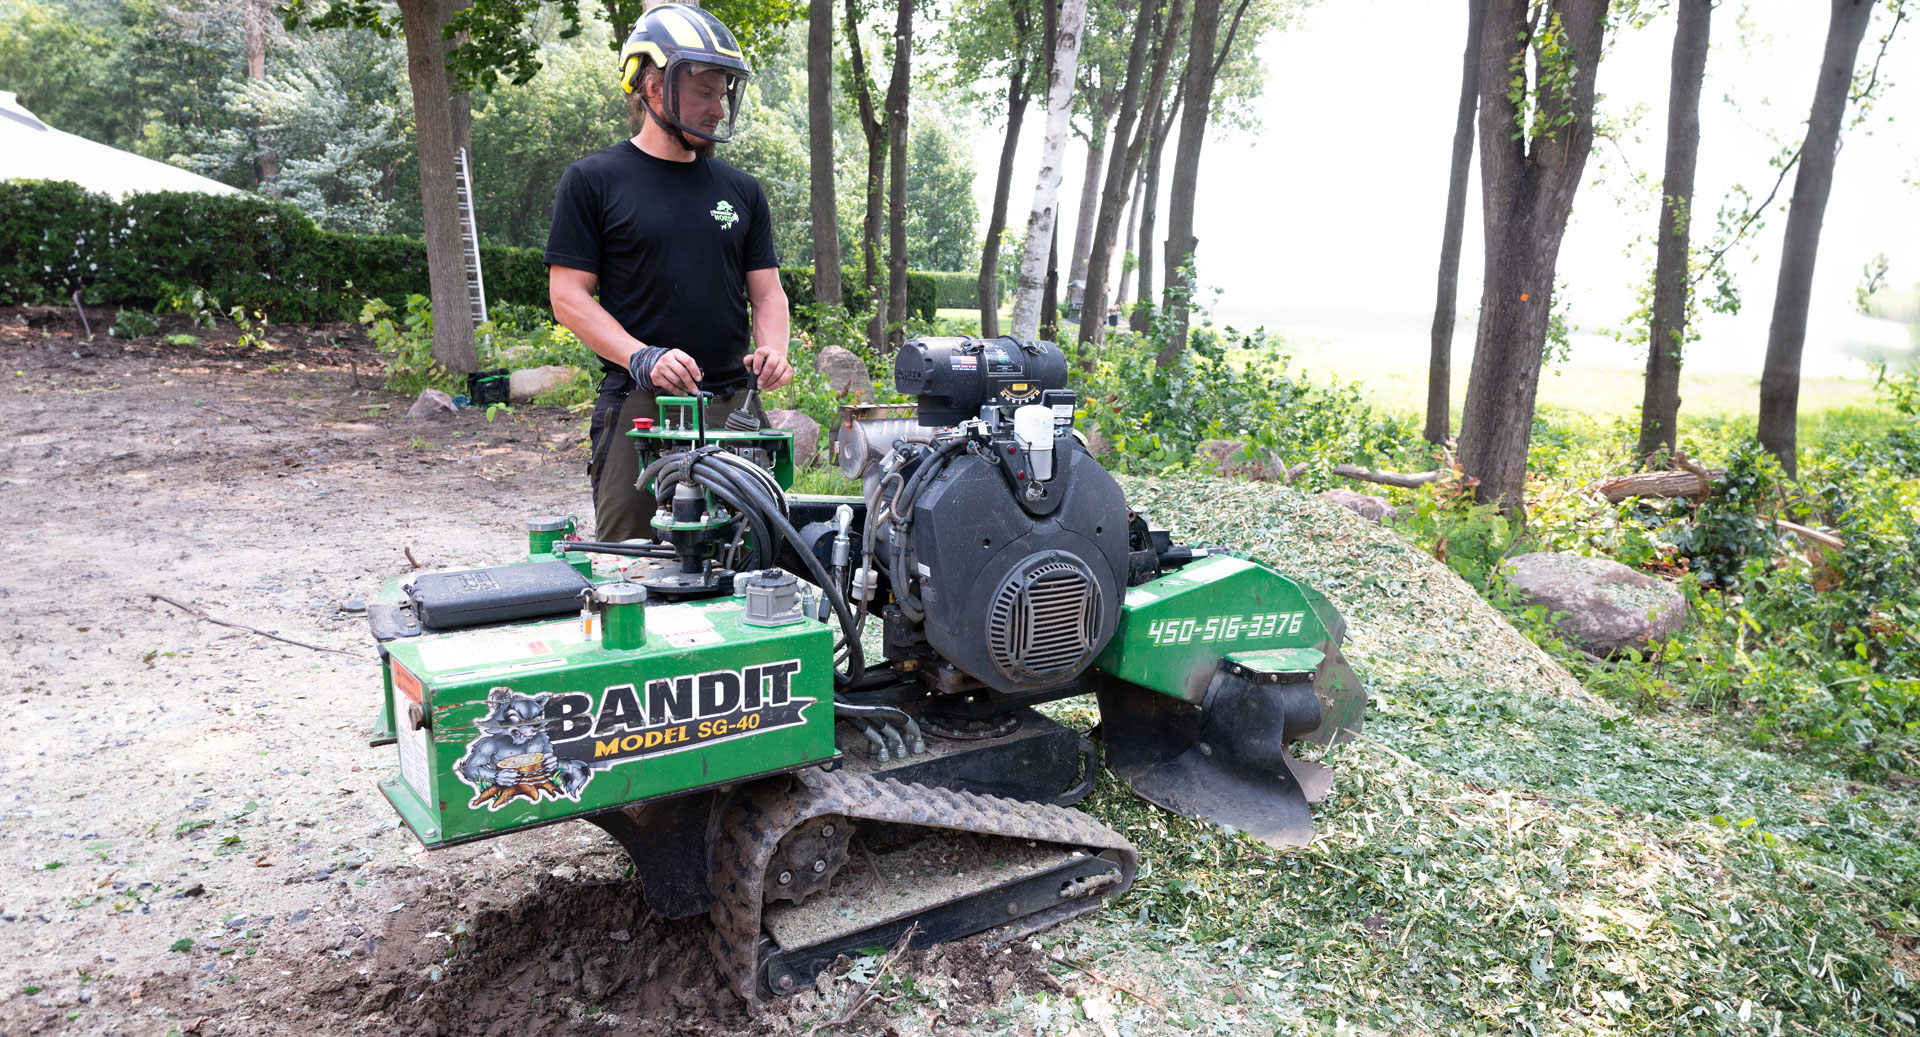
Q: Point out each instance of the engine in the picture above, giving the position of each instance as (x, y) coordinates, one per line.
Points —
(1002, 543)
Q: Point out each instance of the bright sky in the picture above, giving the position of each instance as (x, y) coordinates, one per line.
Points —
(1327, 224)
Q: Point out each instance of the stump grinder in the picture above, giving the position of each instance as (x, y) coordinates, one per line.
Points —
(716, 708)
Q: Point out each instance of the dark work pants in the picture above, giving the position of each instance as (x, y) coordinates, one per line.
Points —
(622, 510)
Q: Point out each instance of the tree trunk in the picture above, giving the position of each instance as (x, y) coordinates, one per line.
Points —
(822, 204)
(439, 204)
(1041, 221)
(1440, 360)
(989, 283)
(1133, 224)
(1050, 298)
(1102, 114)
(873, 130)
(256, 15)
(1528, 176)
(897, 89)
(1667, 332)
(1186, 169)
(1787, 335)
(460, 104)
(1129, 142)
(1150, 208)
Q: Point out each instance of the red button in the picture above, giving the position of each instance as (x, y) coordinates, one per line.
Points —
(643, 424)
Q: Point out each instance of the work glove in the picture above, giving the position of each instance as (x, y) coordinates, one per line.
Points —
(640, 365)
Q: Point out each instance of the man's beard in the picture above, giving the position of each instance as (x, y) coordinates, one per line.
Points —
(700, 146)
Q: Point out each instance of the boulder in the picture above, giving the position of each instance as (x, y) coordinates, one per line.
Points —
(432, 405)
(845, 371)
(806, 434)
(529, 382)
(1365, 505)
(1608, 606)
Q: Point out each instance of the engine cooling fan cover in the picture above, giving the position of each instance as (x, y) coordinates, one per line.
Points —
(1045, 621)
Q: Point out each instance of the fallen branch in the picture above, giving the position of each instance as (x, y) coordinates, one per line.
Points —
(1121, 987)
(82, 311)
(196, 613)
(1403, 480)
(1657, 484)
(1818, 536)
(859, 1001)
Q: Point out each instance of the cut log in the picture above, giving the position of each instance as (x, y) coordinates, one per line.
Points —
(1695, 484)
(1404, 480)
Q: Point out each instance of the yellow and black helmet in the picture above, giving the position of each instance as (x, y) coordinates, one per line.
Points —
(684, 42)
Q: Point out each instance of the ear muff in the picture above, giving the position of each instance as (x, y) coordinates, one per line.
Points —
(630, 62)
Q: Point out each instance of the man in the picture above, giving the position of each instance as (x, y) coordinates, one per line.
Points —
(678, 244)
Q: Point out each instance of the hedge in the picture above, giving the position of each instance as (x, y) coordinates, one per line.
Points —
(922, 290)
(241, 250)
(265, 255)
(958, 290)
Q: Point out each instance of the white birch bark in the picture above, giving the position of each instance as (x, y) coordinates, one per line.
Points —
(1046, 193)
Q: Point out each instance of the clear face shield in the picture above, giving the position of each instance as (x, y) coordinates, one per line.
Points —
(702, 100)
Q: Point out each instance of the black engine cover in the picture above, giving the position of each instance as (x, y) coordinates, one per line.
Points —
(1020, 602)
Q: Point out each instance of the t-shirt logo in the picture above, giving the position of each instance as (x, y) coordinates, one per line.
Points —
(723, 212)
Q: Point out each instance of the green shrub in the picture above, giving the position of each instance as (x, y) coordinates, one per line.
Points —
(242, 250)
(957, 290)
(132, 324)
(798, 283)
(1228, 385)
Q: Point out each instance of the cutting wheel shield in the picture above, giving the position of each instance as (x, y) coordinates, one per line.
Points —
(754, 826)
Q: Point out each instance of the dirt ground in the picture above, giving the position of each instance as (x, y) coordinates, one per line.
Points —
(193, 841)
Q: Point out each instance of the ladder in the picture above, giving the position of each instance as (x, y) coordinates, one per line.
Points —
(469, 239)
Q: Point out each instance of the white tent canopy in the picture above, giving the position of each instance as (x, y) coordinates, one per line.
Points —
(32, 150)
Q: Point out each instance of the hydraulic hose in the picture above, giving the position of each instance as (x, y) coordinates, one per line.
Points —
(623, 550)
(758, 499)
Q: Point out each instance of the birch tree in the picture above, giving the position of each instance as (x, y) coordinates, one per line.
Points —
(1044, 216)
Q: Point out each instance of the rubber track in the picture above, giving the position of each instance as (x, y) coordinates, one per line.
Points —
(752, 828)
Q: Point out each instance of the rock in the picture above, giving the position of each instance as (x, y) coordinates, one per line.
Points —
(1097, 444)
(806, 434)
(529, 382)
(846, 372)
(1608, 606)
(432, 405)
(1365, 505)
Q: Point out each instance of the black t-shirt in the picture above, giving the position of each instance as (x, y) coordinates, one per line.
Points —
(672, 243)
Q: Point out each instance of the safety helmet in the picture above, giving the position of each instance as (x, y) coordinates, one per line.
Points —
(685, 41)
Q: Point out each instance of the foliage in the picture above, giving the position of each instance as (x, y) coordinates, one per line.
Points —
(132, 324)
(821, 326)
(1816, 648)
(922, 293)
(332, 121)
(242, 250)
(525, 135)
(1471, 538)
(956, 290)
(942, 217)
(1225, 385)
(516, 336)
